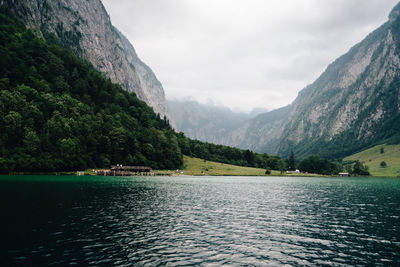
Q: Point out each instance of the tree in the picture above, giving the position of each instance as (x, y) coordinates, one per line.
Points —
(360, 169)
(281, 165)
(249, 157)
(383, 164)
(291, 162)
(382, 150)
(13, 127)
(31, 141)
(315, 164)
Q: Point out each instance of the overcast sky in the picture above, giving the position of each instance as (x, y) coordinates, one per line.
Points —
(243, 53)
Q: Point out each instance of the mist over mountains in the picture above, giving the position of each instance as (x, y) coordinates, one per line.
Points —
(207, 122)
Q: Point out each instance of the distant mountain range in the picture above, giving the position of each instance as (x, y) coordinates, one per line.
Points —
(207, 122)
(353, 105)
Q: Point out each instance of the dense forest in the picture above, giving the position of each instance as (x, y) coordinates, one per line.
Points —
(57, 113)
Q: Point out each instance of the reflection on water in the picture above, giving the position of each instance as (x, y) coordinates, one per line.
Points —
(200, 220)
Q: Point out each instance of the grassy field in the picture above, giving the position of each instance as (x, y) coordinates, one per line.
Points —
(198, 167)
(373, 157)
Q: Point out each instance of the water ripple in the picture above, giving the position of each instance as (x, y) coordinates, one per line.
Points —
(205, 221)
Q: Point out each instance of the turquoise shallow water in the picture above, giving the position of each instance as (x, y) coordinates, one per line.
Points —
(199, 221)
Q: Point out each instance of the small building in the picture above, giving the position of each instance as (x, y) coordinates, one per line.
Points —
(138, 169)
(119, 170)
(293, 171)
(344, 174)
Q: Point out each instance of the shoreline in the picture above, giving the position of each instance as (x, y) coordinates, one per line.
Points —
(171, 174)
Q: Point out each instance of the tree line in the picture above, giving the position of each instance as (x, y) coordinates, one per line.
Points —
(318, 165)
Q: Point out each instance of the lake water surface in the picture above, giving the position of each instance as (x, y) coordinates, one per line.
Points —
(199, 221)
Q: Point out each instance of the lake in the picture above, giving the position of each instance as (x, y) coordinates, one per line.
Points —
(199, 220)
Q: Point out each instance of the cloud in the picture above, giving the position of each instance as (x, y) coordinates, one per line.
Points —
(243, 53)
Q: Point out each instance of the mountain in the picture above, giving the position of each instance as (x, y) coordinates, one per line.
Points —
(354, 104)
(261, 133)
(85, 27)
(207, 122)
(57, 113)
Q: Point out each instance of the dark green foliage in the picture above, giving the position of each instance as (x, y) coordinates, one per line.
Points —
(382, 150)
(57, 113)
(291, 162)
(383, 164)
(275, 163)
(356, 168)
(360, 169)
(315, 164)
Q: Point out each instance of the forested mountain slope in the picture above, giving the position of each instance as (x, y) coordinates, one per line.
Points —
(85, 27)
(59, 113)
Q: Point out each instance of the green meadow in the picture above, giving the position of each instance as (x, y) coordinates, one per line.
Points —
(373, 157)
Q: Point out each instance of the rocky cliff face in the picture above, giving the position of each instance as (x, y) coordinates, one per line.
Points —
(354, 104)
(85, 27)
